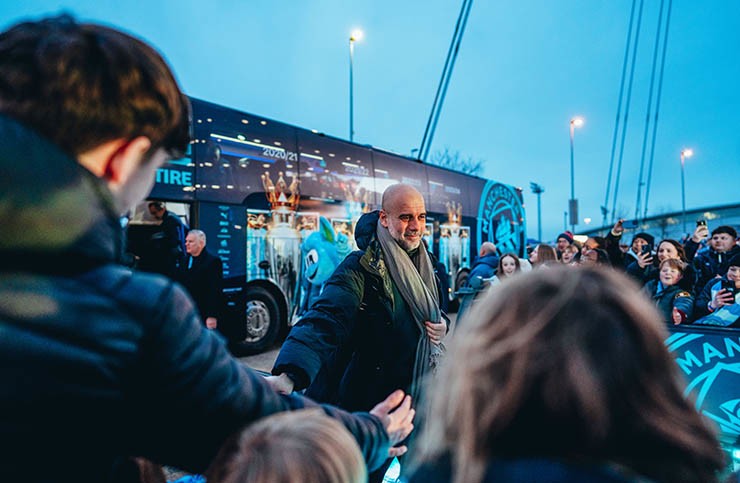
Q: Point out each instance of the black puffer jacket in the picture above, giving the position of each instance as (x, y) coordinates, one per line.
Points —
(97, 362)
(359, 333)
(709, 263)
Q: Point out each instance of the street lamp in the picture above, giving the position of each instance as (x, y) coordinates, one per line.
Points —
(538, 190)
(685, 153)
(354, 36)
(573, 203)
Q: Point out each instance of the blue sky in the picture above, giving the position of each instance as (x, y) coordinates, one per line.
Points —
(524, 69)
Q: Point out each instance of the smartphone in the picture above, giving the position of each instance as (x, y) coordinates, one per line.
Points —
(645, 249)
(701, 222)
(630, 224)
(729, 285)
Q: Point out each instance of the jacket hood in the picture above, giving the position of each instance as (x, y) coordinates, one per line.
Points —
(52, 210)
(491, 260)
(365, 229)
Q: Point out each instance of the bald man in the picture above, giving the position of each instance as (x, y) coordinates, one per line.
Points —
(485, 264)
(377, 325)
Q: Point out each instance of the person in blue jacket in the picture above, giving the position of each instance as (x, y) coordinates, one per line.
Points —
(100, 363)
(485, 264)
(674, 302)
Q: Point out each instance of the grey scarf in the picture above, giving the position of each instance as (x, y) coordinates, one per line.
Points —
(416, 283)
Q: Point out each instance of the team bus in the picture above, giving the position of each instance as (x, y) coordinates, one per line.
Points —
(259, 189)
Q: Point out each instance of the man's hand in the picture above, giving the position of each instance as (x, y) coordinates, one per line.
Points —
(397, 417)
(282, 383)
(644, 259)
(436, 332)
(618, 229)
(211, 322)
(700, 233)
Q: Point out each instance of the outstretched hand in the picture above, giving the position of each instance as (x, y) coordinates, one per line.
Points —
(397, 416)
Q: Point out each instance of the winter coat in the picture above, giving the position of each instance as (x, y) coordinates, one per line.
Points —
(726, 316)
(526, 470)
(709, 263)
(99, 362)
(357, 343)
(203, 280)
(484, 267)
(668, 298)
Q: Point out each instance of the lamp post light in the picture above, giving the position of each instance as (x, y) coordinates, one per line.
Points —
(685, 153)
(538, 190)
(573, 203)
(353, 37)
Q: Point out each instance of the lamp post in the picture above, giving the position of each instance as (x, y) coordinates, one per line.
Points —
(354, 36)
(573, 203)
(685, 153)
(538, 190)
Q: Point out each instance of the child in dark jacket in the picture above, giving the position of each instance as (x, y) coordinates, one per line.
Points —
(674, 303)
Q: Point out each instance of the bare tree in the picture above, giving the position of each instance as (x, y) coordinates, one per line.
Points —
(457, 161)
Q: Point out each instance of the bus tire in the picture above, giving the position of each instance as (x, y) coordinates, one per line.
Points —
(261, 320)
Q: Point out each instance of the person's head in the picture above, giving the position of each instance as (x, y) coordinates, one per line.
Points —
(305, 446)
(508, 265)
(404, 214)
(592, 243)
(670, 249)
(571, 254)
(542, 254)
(569, 365)
(733, 270)
(486, 248)
(723, 238)
(563, 241)
(596, 256)
(671, 271)
(105, 98)
(640, 240)
(156, 209)
(195, 242)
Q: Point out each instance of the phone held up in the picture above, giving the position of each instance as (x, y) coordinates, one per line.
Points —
(729, 285)
(629, 224)
(701, 222)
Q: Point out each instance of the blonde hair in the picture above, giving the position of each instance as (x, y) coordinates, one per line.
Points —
(566, 364)
(305, 446)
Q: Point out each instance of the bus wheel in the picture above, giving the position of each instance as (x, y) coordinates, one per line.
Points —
(262, 321)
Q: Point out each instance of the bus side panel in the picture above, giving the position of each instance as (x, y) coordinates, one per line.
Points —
(709, 359)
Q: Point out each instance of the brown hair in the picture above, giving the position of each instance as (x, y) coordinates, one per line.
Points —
(546, 254)
(567, 364)
(81, 85)
(500, 271)
(674, 263)
(305, 446)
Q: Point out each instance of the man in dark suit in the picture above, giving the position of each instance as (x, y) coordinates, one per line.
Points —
(202, 275)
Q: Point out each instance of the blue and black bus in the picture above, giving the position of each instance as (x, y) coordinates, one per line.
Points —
(259, 188)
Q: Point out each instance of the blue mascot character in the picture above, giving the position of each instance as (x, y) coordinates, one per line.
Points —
(323, 251)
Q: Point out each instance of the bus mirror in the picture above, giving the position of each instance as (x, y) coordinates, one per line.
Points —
(264, 265)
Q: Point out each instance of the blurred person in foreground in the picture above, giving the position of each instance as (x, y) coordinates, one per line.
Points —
(562, 375)
(100, 363)
(300, 446)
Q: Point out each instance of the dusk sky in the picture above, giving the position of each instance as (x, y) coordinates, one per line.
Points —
(525, 68)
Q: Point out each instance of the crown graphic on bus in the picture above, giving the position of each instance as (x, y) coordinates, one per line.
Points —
(281, 196)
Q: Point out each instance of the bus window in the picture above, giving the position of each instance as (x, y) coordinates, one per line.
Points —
(238, 154)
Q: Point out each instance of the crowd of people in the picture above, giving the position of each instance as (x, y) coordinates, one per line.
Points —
(694, 282)
(556, 375)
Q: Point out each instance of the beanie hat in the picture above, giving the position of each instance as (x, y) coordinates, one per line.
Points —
(734, 261)
(725, 229)
(566, 235)
(650, 239)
